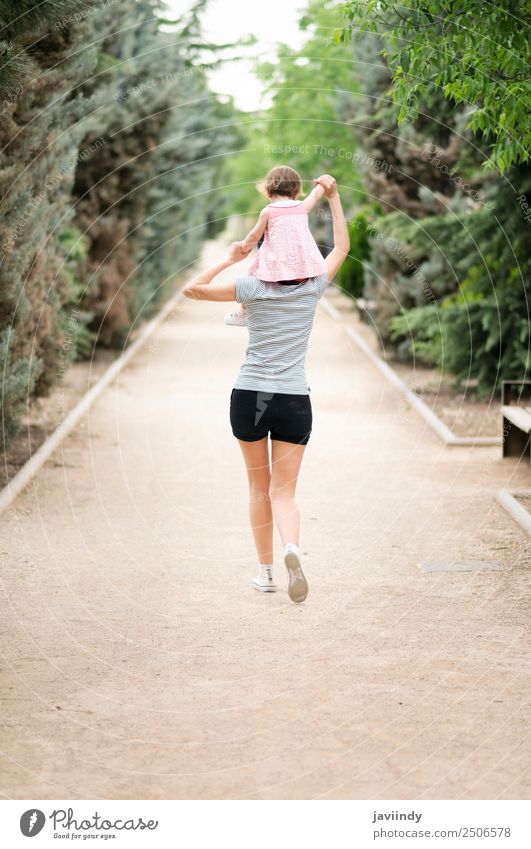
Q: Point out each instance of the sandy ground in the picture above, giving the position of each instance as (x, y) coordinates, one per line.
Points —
(45, 414)
(138, 662)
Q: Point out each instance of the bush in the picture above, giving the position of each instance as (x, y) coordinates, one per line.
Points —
(487, 339)
(418, 332)
(351, 274)
(19, 379)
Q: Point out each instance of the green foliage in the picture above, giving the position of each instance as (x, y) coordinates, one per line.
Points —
(155, 172)
(40, 136)
(75, 326)
(24, 18)
(74, 247)
(247, 167)
(107, 179)
(350, 276)
(305, 126)
(409, 264)
(448, 279)
(488, 340)
(463, 304)
(476, 53)
(482, 329)
(18, 380)
(419, 333)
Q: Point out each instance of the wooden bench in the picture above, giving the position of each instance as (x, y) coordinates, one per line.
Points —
(516, 412)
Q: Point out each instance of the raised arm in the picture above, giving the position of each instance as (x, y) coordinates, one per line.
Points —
(339, 252)
(200, 288)
(253, 236)
(314, 197)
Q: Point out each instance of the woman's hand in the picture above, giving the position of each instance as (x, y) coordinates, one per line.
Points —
(236, 252)
(328, 183)
(339, 252)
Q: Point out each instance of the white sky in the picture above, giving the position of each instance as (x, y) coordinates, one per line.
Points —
(270, 21)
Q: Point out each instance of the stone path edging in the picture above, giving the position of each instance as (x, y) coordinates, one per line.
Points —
(30, 468)
(519, 514)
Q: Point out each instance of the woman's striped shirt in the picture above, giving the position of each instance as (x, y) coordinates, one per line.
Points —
(280, 319)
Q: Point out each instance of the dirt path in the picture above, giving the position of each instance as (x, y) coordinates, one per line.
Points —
(138, 662)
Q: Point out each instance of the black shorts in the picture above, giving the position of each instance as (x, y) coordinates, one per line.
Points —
(253, 415)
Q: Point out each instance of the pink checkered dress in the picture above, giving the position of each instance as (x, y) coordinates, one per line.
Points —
(289, 251)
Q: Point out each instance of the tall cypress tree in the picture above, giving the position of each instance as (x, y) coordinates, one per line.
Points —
(38, 135)
(106, 177)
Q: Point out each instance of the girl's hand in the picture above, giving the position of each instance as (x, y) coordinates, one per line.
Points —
(328, 183)
(236, 252)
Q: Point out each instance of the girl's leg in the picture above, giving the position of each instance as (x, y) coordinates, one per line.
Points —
(285, 466)
(256, 456)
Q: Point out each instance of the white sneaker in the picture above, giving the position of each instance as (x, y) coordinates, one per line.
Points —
(297, 583)
(264, 580)
(237, 318)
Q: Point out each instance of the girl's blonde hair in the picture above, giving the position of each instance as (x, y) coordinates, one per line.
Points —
(281, 180)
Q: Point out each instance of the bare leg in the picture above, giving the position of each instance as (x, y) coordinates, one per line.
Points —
(285, 466)
(256, 456)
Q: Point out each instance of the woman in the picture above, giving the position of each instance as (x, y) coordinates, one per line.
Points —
(271, 396)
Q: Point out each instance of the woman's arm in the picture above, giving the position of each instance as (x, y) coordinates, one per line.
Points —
(253, 236)
(199, 287)
(314, 197)
(339, 252)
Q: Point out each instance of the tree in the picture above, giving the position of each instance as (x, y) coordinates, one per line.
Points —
(482, 328)
(449, 274)
(304, 127)
(106, 177)
(39, 137)
(476, 53)
(148, 214)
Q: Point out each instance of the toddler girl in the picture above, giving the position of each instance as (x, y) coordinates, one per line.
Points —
(287, 252)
